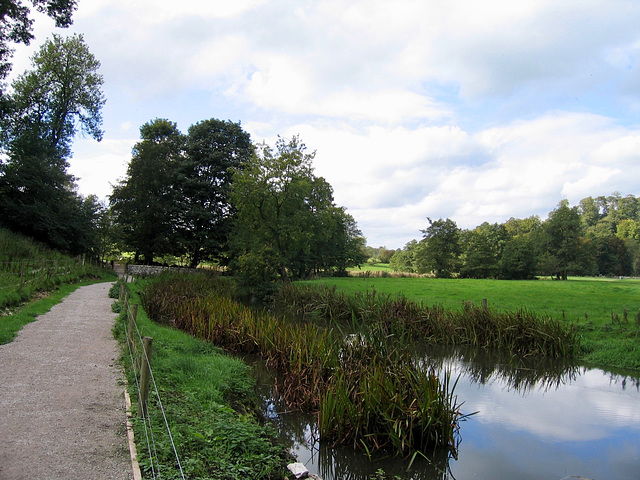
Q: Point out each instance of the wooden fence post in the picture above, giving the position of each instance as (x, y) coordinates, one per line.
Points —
(145, 373)
(484, 304)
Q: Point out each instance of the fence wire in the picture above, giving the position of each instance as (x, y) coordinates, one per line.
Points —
(152, 449)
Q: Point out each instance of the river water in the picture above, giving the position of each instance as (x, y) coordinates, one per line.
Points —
(533, 421)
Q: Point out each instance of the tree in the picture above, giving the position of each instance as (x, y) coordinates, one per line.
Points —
(287, 224)
(145, 202)
(403, 260)
(519, 259)
(213, 149)
(61, 93)
(483, 248)
(16, 26)
(438, 251)
(562, 236)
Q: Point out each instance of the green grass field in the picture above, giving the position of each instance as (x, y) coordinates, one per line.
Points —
(596, 305)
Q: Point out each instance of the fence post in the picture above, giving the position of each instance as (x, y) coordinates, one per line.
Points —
(484, 304)
(145, 373)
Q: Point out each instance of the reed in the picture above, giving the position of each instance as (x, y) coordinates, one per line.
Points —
(519, 333)
(366, 388)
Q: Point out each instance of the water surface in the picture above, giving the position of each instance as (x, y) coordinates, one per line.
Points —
(535, 420)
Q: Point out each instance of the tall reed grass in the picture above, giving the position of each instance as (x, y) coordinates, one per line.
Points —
(519, 333)
(366, 389)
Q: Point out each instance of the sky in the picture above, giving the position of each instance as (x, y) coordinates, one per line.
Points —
(474, 111)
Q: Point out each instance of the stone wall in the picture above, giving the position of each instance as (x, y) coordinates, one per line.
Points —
(151, 270)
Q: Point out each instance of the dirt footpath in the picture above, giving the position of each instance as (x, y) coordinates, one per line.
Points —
(62, 413)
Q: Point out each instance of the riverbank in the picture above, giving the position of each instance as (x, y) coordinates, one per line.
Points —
(211, 407)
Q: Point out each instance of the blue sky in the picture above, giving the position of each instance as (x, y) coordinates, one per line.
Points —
(476, 111)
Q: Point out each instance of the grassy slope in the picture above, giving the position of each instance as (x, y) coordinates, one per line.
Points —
(209, 399)
(606, 343)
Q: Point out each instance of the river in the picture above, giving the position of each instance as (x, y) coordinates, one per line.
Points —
(534, 420)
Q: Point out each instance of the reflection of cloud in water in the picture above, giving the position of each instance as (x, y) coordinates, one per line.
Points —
(586, 408)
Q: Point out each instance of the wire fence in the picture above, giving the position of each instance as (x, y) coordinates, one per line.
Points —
(39, 273)
(139, 352)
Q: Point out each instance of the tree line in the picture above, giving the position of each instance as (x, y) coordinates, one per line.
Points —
(599, 236)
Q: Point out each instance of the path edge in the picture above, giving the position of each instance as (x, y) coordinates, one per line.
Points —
(135, 466)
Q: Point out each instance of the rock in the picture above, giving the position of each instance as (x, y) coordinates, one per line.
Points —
(298, 470)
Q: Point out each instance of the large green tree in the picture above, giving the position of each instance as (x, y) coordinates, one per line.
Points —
(59, 95)
(287, 224)
(562, 240)
(483, 248)
(145, 202)
(440, 248)
(213, 149)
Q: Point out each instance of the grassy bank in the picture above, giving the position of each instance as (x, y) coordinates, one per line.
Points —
(28, 268)
(596, 306)
(211, 407)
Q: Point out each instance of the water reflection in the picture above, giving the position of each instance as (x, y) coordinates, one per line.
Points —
(516, 373)
(536, 419)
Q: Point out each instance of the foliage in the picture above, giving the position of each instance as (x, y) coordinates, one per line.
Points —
(586, 303)
(213, 149)
(520, 333)
(37, 196)
(145, 201)
(28, 268)
(438, 251)
(17, 27)
(600, 236)
(211, 408)
(287, 224)
(404, 260)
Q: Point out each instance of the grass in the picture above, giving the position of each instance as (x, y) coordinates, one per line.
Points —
(28, 268)
(211, 406)
(595, 305)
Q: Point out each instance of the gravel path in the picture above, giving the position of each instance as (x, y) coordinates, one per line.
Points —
(62, 413)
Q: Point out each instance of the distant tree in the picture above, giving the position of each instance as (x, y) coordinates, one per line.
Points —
(287, 224)
(49, 103)
(439, 250)
(213, 149)
(483, 248)
(612, 256)
(562, 237)
(145, 202)
(403, 260)
(589, 211)
(519, 259)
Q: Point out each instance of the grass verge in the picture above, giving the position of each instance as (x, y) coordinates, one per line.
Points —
(18, 317)
(211, 407)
